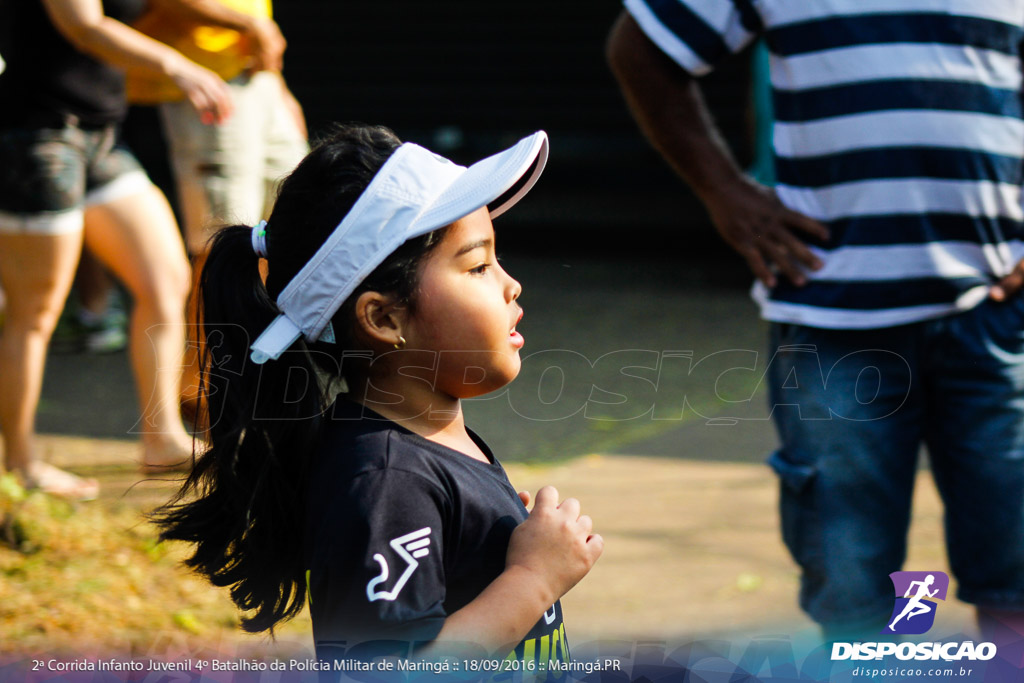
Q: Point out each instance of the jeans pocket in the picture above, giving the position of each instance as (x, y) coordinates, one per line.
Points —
(800, 517)
(795, 476)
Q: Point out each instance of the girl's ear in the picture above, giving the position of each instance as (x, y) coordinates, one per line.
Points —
(379, 318)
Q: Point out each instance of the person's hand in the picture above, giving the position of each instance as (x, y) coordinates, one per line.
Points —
(755, 223)
(556, 544)
(1009, 285)
(205, 91)
(267, 45)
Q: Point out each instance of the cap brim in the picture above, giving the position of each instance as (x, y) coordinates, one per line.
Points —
(488, 183)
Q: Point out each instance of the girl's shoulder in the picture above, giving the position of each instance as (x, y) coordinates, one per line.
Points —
(360, 440)
(355, 440)
(359, 458)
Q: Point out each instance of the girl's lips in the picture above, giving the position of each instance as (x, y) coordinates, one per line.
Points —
(515, 337)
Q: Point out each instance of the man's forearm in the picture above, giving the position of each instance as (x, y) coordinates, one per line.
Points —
(669, 108)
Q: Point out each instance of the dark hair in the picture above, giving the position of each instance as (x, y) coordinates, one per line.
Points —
(243, 504)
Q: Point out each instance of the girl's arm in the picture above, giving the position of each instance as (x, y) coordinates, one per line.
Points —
(547, 555)
(84, 25)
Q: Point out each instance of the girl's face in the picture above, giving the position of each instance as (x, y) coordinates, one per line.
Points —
(466, 311)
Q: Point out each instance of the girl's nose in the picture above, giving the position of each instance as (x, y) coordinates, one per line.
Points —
(515, 289)
(512, 287)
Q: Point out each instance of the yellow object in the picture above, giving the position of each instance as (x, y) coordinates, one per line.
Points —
(221, 50)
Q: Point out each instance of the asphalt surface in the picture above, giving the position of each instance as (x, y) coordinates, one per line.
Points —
(610, 366)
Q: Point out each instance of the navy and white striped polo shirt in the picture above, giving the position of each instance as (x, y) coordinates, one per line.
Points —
(899, 125)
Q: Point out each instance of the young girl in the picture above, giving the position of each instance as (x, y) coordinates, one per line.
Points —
(379, 503)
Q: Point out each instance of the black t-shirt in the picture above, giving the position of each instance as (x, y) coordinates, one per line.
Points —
(47, 77)
(402, 532)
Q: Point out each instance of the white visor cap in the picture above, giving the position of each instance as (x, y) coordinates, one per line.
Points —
(414, 192)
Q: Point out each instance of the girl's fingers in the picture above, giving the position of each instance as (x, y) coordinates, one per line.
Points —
(571, 508)
(546, 497)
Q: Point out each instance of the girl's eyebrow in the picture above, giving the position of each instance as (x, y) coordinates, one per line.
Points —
(474, 245)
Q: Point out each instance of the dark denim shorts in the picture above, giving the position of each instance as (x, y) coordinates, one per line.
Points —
(48, 172)
(853, 408)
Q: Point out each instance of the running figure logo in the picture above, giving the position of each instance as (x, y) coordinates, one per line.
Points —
(410, 548)
(914, 613)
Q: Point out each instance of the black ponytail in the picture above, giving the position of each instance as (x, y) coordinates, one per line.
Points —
(245, 485)
(243, 505)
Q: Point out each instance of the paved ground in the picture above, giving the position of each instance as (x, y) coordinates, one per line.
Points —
(665, 453)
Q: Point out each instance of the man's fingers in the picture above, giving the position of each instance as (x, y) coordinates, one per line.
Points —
(778, 254)
(757, 265)
(1009, 285)
(800, 252)
(805, 224)
(774, 247)
(525, 497)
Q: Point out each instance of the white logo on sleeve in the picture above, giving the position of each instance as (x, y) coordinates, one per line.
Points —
(410, 548)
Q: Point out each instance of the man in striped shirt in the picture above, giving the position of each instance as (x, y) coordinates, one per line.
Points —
(888, 258)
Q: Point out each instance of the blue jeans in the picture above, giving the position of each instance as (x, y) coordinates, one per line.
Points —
(852, 409)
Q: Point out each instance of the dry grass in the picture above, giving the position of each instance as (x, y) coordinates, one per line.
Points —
(93, 578)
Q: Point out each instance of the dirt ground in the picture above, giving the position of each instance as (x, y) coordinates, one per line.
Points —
(692, 551)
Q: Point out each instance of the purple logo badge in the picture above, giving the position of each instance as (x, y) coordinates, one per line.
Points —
(916, 593)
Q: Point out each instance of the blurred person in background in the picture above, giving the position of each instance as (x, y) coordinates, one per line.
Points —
(63, 178)
(895, 228)
(225, 173)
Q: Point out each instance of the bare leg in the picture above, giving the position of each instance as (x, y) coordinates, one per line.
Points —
(93, 284)
(136, 238)
(36, 273)
(190, 373)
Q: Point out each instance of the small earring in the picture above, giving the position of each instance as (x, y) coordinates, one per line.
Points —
(401, 342)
